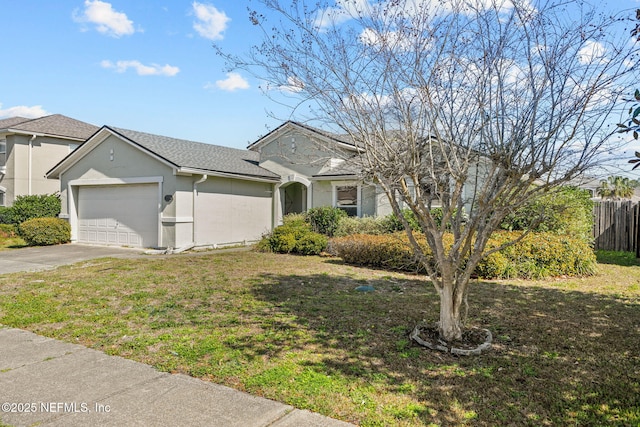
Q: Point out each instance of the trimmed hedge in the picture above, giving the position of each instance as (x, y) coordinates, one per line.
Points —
(538, 255)
(294, 236)
(45, 231)
(365, 225)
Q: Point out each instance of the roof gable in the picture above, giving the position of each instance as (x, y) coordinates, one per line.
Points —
(342, 141)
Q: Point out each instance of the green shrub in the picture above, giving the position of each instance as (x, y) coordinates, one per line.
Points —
(365, 225)
(394, 224)
(294, 236)
(538, 255)
(311, 244)
(6, 215)
(568, 210)
(27, 207)
(325, 219)
(45, 231)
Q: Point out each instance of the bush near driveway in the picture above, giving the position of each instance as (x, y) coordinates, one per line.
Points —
(537, 255)
(45, 231)
(28, 207)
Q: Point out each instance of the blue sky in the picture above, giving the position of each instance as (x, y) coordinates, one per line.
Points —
(146, 65)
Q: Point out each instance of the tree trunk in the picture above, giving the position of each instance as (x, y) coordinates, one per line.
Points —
(450, 327)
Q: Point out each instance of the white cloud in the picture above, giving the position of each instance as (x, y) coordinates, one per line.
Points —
(592, 52)
(211, 22)
(141, 69)
(106, 20)
(233, 82)
(24, 111)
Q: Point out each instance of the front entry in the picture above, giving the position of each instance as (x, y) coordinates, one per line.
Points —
(294, 198)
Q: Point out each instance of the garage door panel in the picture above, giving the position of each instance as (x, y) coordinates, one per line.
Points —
(125, 215)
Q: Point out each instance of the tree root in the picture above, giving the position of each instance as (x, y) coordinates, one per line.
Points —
(433, 342)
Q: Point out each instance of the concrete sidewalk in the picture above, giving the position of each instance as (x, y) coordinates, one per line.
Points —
(50, 383)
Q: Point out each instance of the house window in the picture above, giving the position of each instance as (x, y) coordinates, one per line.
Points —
(347, 198)
(3, 153)
(1, 197)
(72, 147)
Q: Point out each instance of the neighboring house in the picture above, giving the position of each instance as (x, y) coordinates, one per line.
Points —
(128, 188)
(30, 147)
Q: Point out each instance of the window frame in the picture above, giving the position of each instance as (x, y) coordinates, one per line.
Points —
(336, 185)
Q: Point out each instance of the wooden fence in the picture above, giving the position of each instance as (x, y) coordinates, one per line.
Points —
(616, 226)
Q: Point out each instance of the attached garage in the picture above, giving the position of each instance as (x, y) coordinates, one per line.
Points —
(122, 215)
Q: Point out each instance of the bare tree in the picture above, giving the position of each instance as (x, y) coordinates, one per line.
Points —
(476, 106)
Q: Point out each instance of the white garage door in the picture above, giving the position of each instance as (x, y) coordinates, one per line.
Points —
(122, 215)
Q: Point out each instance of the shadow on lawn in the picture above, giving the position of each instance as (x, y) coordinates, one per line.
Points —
(559, 356)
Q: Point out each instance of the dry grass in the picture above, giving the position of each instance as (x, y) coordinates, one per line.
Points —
(295, 329)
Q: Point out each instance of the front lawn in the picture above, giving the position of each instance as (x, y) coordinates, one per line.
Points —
(295, 329)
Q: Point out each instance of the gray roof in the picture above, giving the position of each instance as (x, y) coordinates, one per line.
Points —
(53, 125)
(197, 155)
(12, 121)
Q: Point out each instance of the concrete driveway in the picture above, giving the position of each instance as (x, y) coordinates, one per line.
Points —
(39, 258)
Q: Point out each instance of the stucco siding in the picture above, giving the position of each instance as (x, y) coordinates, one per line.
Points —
(297, 152)
(27, 163)
(229, 211)
(322, 194)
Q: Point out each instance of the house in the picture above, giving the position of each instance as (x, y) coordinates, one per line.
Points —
(30, 147)
(128, 188)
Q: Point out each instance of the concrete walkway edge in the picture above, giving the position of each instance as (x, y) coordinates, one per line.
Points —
(46, 382)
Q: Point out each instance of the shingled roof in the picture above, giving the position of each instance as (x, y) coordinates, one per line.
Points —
(53, 125)
(197, 155)
(12, 121)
